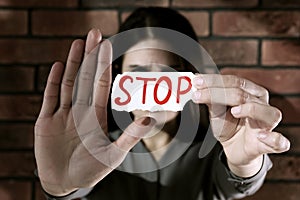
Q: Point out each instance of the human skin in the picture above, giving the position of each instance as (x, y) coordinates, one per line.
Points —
(246, 131)
(64, 164)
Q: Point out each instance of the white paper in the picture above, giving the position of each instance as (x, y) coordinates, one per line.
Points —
(152, 91)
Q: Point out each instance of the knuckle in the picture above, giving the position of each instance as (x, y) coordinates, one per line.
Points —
(73, 61)
(81, 101)
(240, 82)
(131, 129)
(64, 106)
(236, 81)
(266, 95)
(240, 96)
(50, 97)
(104, 83)
(100, 107)
(252, 109)
(104, 63)
(278, 115)
(206, 96)
(68, 82)
(86, 76)
(276, 140)
(53, 83)
(226, 79)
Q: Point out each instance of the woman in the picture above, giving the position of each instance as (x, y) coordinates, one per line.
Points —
(74, 160)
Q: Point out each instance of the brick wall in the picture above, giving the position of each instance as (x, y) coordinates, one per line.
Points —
(256, 39)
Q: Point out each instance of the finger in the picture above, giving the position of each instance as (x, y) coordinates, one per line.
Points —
(103, 83)
(273, 142)
(222, 124)
(230, 81)
(269, 116)
(87, 70)
(93, 38)
(223, 96)
(73, 63)
(134, 132)
(51, 97)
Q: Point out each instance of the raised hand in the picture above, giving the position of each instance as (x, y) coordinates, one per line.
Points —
(71, 145)
(241, 119)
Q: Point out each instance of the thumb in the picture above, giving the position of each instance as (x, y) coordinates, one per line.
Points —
(134, 132)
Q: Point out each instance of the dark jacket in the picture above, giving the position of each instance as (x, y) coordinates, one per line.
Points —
(188, 177)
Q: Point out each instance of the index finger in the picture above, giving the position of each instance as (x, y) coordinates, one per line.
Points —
(103, 79)
(202, 81)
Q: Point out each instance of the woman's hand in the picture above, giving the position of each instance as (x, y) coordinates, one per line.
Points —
(241, 119)
(71, 130)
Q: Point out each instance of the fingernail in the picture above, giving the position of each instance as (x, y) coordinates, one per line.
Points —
(197, 95)
(236, 110)
(94, 34)
(147, 121)
(288, 145)
(199, 81)
(262, 135)
(285, 144)
(282, 144)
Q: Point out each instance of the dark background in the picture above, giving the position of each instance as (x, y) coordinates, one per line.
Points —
(256, 39)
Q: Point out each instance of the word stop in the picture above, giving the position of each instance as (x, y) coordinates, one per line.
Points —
(152, 91)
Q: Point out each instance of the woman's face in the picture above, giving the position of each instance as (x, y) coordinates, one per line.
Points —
(141, 59)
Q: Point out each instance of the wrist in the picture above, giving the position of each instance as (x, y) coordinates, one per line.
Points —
(247, 170)
(56, 191)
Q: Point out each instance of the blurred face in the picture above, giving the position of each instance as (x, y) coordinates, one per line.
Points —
(142, 59)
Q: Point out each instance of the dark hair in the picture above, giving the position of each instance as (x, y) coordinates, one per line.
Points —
(158, 17)
(153, 17)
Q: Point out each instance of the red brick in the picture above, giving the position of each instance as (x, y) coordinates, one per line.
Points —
(16, 79)
(13, 22)
(283, 52)
(199, 21)
(256, 23)
(17, 164)
(105, 3)
(232, 51)
(39, 194)
(43, 73)
(13, 190)
(290, 107)
(16, 136)
(214, 3)
(124, 15)
(285, 167)
(293, 134)
(19, 107)
(39, 3)
(282, 81)
(277, 191)
(281, 3)
(33, 50)
(58, 22)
